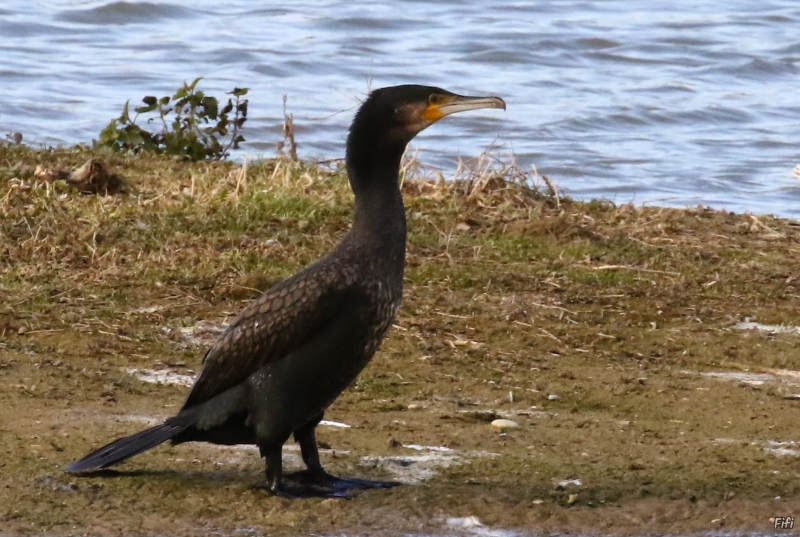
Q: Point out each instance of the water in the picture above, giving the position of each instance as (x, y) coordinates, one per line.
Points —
(664, 102)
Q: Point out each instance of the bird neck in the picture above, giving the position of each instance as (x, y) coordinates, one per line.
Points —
(380, 218)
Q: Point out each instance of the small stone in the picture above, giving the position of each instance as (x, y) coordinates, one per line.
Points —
(572, 499)
(537, 502)
(414, 406)
(553, 397)
(465, 522)
(505, 424)
(22, 330)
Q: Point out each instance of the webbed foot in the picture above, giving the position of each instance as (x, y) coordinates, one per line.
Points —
(291, 491)
(321, 484)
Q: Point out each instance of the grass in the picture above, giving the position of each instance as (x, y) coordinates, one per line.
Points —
(592, 325)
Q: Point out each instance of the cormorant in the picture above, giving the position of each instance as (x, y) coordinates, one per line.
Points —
(295, 348)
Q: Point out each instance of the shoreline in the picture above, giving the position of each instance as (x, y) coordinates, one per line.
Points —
(612, 335)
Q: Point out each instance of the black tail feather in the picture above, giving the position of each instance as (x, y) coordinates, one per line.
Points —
(124, 448)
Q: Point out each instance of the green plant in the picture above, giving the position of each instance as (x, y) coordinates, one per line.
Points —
(193, 125)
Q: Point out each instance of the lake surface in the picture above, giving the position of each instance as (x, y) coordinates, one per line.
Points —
(659, 102)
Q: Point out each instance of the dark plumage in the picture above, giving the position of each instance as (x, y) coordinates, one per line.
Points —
(295, 348)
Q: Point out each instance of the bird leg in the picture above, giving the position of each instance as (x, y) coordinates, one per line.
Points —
(277, 486)
(274, 471)
(314, 482)
(316, 479)
(306, 436)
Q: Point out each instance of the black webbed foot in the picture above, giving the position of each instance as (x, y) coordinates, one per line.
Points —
(292, 491)
(314, 482)
(321, 484)
(321, 478)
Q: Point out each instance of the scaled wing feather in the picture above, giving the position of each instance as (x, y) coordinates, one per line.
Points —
(270, 327)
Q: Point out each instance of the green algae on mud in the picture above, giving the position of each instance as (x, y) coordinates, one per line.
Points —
(609, 333)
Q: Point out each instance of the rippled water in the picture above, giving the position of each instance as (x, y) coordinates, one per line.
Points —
(666, 102)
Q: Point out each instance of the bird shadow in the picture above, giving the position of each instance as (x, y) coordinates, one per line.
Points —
(295, 481)
(229, 477)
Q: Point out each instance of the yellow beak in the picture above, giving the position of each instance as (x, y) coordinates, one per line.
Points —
(451, 104)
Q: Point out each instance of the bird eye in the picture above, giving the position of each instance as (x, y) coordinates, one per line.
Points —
(433, 99)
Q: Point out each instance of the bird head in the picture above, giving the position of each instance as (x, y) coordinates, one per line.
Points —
(391, 117)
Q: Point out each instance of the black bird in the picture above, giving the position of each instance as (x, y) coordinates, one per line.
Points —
(295, 348)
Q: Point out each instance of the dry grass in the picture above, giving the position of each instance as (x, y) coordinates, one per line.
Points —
(513, 294)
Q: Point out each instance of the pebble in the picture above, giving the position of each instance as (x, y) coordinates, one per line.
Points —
(465, 522)
(553, 397)
(413, 406)
(505, 424)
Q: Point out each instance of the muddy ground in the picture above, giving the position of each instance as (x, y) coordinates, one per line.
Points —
(650, 356)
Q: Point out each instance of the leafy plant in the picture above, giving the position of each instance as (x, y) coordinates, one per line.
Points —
(193, 126)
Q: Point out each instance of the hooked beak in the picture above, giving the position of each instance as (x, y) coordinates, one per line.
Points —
(452, 104)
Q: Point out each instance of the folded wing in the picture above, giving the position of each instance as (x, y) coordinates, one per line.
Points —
(270, 327)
